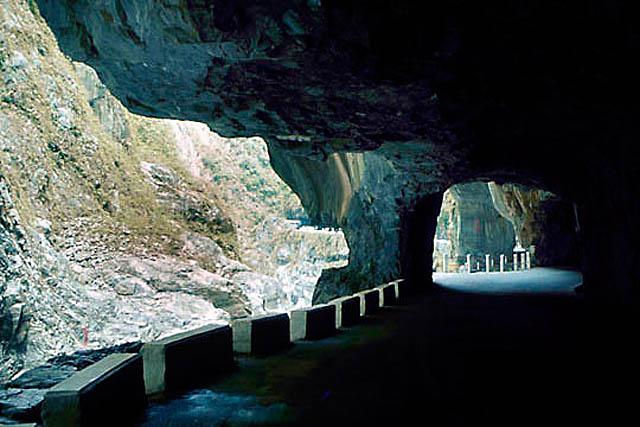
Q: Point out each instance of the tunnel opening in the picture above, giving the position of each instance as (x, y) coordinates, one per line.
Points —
(489, 227)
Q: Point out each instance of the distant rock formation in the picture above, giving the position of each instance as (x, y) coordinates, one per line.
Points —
(543, 222)
(472, 224)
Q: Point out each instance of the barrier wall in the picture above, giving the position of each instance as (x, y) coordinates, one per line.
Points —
(313, 323)
(369, 302)
(110, 391)
(187, 359)
(347, 311)
(261, 335)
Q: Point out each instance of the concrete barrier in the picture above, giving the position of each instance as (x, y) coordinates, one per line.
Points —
(261, 335)
(187, 359)
(387, 294)
(313, 323)
(369, 302)
(109, 392)
(347, 311)
(402, 289)
(19, 425)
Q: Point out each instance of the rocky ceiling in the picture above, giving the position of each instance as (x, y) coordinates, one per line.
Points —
(371, 108)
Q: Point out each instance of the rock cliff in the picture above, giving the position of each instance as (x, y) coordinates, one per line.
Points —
(437, 92)
(542, 221)
(116, 227)
(472, 225)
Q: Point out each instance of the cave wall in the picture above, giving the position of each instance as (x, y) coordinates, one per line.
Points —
(479, 228)
(376, 201)
(535, 92)
(543, 222)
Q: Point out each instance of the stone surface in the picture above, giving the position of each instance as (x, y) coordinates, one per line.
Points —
(91, 396)
(261, 335)
(313, 323)
(369, 111)
(434, 93)
(21, 398)
(544, 223)
(187, 359)
(472, 225)
(43, 376)
(126, 227)
(21, 404)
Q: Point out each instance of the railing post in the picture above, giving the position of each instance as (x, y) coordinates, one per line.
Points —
(468, 263)
(501, 263)
(515, 261)
(487, 260)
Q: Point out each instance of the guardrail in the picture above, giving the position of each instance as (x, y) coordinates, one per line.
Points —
(115, 388)
(101, 394)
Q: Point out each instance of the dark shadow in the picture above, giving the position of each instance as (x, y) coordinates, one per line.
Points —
(449, 357)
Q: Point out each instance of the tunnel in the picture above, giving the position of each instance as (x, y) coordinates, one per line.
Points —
(414, 108)
(518, 120)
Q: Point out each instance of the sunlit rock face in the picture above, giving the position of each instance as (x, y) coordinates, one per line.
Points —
(277, 71)
(543, 222)
(128, 227)
(472, 225)
(477, 90)
(267, 214)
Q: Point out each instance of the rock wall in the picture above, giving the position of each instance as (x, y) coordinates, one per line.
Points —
(241, 174)
(263, 78)
(115, 227)
(543, 222)
(74, 201)
(380, 226)
(473, 225)
(528, 93)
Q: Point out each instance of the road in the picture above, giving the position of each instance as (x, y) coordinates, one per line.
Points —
(501, 349)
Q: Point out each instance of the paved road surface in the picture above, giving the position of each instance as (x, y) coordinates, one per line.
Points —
(483, 349)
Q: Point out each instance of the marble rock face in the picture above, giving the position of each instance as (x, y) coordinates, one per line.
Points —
(472, 225)
(372, 109)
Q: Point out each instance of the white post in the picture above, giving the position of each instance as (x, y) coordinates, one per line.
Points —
(523, 264)
(487, 266)
(444, 263)
(468, 263)
(501, 263)
(515, 261)
(528, 260)
(478, 266)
